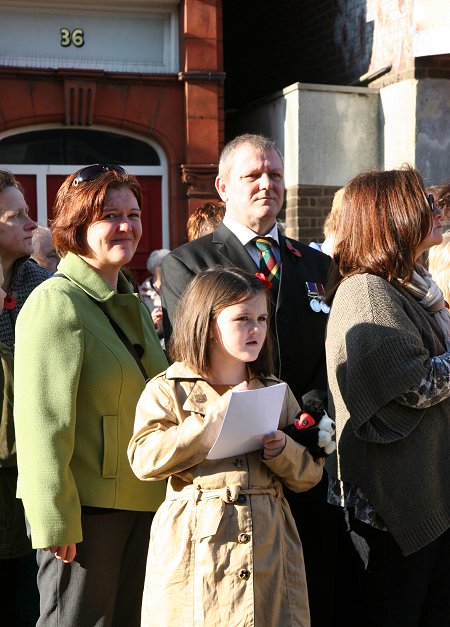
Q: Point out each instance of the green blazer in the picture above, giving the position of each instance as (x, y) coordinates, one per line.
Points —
(76, 390)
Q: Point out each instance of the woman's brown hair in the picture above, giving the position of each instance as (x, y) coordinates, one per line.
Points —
(7, 179)
(205, 219)
(207, 295)
(78, 206)
(384, 217)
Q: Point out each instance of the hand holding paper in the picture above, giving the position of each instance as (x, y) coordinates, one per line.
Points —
(274, 443)
(251, 414)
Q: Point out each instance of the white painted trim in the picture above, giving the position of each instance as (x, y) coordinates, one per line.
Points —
(102, 7)
(163, 58)
(41, 171)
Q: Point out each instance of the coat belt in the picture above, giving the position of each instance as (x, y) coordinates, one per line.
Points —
(211, 513)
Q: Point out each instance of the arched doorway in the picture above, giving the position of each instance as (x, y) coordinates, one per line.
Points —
(41, 158)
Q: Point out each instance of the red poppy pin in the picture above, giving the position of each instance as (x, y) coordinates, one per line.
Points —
(10, 301)
(292, 248)
(262, 277)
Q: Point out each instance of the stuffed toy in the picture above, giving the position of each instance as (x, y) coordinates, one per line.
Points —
(313, 428)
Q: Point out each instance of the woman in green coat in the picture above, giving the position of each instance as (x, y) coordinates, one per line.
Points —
(84, 345)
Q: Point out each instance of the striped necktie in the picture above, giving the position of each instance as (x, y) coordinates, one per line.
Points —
(268, 263)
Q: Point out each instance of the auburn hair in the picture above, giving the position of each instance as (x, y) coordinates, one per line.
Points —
(384, 217)
(205, 219)
(78, 206)
(209, 292)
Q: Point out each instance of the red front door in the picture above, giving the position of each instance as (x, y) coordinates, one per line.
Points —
(151, 213)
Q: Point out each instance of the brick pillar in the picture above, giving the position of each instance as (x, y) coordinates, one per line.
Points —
(307, 206)
(203, 78)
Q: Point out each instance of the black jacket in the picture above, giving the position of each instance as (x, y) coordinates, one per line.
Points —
(299, 332)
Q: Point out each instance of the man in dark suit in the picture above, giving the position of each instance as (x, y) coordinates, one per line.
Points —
(251, 183)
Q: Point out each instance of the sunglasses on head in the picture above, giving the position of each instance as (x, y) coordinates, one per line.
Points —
(91, 172)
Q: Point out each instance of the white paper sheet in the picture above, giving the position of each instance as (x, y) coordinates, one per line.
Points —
(251, 414)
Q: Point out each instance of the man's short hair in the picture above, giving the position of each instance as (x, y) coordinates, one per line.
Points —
(259, 142)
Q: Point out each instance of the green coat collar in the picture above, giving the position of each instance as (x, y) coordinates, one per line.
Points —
(90, 281)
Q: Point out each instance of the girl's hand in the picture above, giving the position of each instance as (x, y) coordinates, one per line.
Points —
(157, 315)
(65, 552)
(240, 387)
(274, 443)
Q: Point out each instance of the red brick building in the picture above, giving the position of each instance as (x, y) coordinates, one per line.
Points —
(142, 83)
(343, 85)
(138, 83)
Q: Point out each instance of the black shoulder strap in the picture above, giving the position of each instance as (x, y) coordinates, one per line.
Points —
(133, 350)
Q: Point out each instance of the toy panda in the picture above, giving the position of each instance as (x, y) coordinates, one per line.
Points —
(314, 429)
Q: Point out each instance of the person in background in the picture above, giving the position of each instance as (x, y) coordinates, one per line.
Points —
(250, 182)
(20, 273)
(44, 252)
(151, 287)
(224, 541)
(439, 265)
(205, 219)
(441, 195)
(85, 347)
(21, 276)
(15, 546)
(331, 225)
(388, 359)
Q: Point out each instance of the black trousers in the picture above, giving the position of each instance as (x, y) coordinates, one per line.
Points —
(399, 591)
(19, 597)
(103, 586)
(332, 565)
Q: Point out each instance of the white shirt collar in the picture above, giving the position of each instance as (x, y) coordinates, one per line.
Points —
(244, 234)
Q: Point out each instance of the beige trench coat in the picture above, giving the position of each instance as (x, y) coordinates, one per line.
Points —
(224, 547)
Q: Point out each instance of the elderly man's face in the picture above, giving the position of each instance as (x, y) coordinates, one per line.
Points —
(253, 188)
(45, 253)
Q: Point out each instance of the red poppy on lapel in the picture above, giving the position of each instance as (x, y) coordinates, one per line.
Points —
(293, 250)
(10, 301)
(262, 277)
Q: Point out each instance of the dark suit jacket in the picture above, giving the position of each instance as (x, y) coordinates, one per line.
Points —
(299, 350)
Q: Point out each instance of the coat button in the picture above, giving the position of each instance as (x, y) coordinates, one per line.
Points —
(238, 462)
(244, 574)
(243, 538)
(242, 499)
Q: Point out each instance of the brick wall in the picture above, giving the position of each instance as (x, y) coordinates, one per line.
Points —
(433, 67)
(307, 206)
(269, 46)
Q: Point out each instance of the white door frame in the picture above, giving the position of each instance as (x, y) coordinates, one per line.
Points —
(42, 171)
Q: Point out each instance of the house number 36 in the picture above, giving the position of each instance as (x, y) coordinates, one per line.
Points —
(76, 37)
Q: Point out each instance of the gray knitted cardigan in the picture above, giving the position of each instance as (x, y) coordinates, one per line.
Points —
(27, 275)
(378, 341)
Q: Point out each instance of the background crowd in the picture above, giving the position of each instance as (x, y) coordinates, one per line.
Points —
(277, 537)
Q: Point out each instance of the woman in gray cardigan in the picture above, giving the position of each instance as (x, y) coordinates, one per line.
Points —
(388, 360)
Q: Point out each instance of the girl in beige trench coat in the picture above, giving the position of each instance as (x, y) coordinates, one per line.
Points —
(224, 547)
